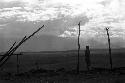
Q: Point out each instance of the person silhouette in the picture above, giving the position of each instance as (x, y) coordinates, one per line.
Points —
(87, 58)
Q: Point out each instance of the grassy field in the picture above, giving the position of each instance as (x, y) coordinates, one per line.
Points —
(65, 60)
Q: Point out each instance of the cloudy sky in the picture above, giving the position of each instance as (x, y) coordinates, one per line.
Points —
(61, 18)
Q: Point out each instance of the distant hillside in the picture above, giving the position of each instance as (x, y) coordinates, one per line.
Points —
(54, 43)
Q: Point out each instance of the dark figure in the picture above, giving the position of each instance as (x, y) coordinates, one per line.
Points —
(87, 58)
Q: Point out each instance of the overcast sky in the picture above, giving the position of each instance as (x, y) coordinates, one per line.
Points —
(61, 17)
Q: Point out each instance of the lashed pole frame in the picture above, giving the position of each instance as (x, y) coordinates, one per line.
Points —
(110, 56)
(18, 62)
(13, 48)
(78, 48)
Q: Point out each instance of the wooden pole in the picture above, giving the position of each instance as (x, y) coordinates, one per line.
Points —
(110, 57)
(7, 55)
(78, 49)
(17, 64)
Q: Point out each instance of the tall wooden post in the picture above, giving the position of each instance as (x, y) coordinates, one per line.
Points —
(78, 49)
(110, 57)
(17, 64)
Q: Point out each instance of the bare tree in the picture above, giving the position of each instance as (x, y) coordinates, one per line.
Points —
(13, 48)
(110, 57)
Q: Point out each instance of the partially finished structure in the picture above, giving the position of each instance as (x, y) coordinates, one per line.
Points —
(14, 47)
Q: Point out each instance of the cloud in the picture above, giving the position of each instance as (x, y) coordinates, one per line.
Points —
(60, 15)
(61, 18)
(35, 10)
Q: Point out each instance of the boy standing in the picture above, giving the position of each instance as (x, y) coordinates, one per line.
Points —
(87, 58)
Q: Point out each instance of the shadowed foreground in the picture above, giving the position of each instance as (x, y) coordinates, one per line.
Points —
(62, 76)
(59, 67)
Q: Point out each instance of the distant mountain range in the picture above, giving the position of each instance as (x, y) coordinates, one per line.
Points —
(54, 43)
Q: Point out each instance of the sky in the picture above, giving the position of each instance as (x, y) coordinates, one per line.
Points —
(61, 17)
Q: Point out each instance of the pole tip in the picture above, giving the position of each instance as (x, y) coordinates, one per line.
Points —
(107, 28)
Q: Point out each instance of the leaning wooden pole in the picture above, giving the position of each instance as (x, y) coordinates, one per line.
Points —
(110, 57)
(7, 55)
(78, 48)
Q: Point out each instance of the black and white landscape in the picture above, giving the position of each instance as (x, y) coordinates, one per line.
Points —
(44, 41)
